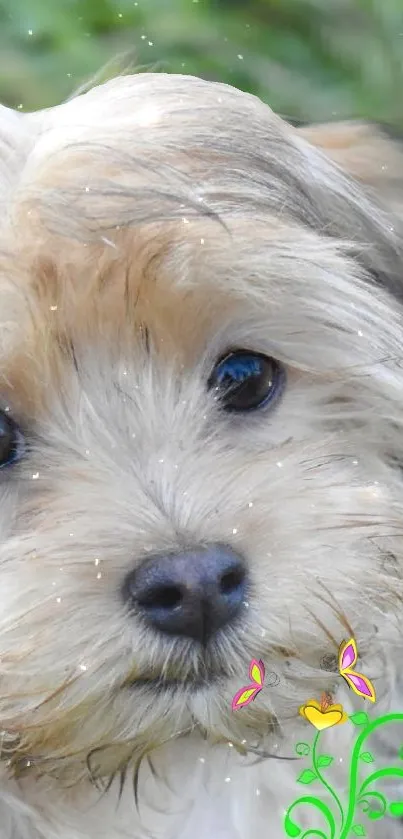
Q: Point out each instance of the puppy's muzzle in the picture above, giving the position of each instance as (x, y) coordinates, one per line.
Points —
(191, 594)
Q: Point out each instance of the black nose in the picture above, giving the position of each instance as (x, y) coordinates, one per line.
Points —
(192, 594)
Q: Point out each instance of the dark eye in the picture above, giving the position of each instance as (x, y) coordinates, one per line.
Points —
(11, 441)
(245, 381)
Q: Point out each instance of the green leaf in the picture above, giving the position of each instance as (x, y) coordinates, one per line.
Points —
(359, 830)
(291, 828)
(396, 809)
(374, 815)
(361, 718)
(325, 760)
(400, 753)
(307, 776)
(367, 757)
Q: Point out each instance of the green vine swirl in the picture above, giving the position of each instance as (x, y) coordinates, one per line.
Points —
(341, 825)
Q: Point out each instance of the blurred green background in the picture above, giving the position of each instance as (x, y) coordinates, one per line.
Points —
(310, 59)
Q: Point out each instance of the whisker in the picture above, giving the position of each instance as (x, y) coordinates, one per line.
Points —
(323, 628)
(340, 614)
(122, 781)
(136, 774)
(265, 755)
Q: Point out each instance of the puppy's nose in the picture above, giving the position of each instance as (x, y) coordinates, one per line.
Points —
(191, 594)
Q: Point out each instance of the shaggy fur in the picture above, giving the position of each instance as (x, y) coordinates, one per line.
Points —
(145, 228)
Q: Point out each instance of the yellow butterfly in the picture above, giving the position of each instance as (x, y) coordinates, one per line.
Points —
(246, 695)
(360, 684)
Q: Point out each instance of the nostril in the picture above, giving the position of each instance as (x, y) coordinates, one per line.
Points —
(232, 580)
(161, 597)
(192, 594)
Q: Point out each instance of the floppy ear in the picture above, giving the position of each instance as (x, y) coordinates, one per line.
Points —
(16, 138)
(371, 153)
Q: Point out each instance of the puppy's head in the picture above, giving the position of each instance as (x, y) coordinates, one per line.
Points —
(200, 404)
(373, 154)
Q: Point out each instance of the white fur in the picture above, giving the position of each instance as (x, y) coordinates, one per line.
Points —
(199, 191)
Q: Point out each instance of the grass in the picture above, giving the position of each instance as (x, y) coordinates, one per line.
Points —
(310, 59)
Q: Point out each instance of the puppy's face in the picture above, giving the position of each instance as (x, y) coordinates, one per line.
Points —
(200, 400)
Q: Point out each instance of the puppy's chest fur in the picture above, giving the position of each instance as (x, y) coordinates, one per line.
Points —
(201, 792)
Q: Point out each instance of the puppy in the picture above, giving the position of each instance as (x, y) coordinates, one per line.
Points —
(201, 419)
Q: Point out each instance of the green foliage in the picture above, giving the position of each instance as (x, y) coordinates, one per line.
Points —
(360, 718)
(310, 59)
(367, 757)
(307, 776)
(325, 760)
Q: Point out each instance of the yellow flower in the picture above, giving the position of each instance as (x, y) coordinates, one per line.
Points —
(322, 715)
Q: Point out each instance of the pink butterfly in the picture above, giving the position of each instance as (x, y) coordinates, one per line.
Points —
(360, 684)
(246, 695)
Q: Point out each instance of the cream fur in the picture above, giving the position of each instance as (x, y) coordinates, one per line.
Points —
(189, 209)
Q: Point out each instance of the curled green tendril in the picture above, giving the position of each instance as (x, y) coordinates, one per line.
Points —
(361, 797)
(293, 830)
(366, 805)
(302, 749)
(381, 773)
(315, 802)
(390, 772)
